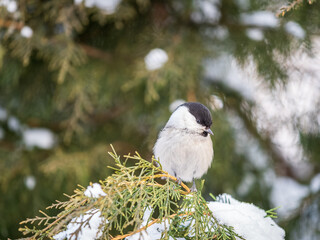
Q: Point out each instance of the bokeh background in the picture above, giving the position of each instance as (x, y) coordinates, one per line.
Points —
(77, 76)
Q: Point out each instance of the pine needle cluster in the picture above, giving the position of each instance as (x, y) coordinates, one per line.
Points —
(130, 192)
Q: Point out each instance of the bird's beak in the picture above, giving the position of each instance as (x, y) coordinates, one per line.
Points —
(209, 131)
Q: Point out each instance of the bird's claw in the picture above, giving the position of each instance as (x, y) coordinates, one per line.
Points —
(179, 181)
(194, 187)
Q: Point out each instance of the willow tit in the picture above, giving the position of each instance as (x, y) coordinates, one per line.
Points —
(184, 146)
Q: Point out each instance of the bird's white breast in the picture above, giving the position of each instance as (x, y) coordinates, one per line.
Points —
(184, 154)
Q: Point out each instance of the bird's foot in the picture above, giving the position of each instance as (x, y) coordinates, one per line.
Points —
(194, 187)
(179, 180)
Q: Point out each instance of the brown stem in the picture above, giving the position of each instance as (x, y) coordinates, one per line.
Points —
(149, 224)
(171, 177)
(11, 24)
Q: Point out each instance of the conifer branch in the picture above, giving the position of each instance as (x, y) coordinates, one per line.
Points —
(126, 196)
(294, 4)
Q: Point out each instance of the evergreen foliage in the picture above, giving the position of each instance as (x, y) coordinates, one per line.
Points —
(128, 194)
(79, 71)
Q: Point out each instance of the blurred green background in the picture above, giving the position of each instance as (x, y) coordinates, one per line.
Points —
(76, 76)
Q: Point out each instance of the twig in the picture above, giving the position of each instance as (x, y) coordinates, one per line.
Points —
(53, 223)
(151, 223)
(96, 52)
(11, 24)
(285, 9)
(171, 177)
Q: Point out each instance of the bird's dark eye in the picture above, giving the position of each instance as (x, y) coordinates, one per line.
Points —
(198, 121)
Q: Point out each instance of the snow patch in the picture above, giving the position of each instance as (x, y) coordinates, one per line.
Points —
(315, 184)
(225, 70)
(11, 5)
(38, 137)
(295, 30)
(3, 114)
(92, 229)
(218, 32)
(216, 103)
(176, 103)
(154, 231)
(26, 32)
(206, 11)
(255, 34)
(94, 191)
(247, 220)
(107, 6)
(14, 124)
(30, 182)
(246, 144)
(290, 201)
(260, 18)
(155, 59)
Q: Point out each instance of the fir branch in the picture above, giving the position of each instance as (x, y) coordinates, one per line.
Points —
(293, 5)
(127, 194)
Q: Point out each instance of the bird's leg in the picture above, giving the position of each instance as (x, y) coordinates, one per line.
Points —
(179, 180)
(194, 187)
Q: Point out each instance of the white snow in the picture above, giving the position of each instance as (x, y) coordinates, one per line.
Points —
(26, 32)
(153, 232)
(225, 69)
(38, 137)
(315, 184)
(91, 230)
(295, 29)
(218, 32)
(287, 194)
(30, 182)
(94, 191)
(11, 5)
(255, 34)
(216, 102)
(155, 59)
(275, 109)
(246, 144)
(107, 6)
(260, 18)
(206, 11)
(247, 220)
(94, 227)
(14, 124)
(3, 114)
(287, 138)
(175, 104)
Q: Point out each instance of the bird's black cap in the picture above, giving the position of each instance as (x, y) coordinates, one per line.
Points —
(200, 112)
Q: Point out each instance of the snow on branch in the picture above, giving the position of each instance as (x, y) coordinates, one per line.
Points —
(134, 203)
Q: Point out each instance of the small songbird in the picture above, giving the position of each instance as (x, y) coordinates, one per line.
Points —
(184, 146)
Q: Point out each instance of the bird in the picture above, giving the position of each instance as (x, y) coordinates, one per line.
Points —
(184, 146)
